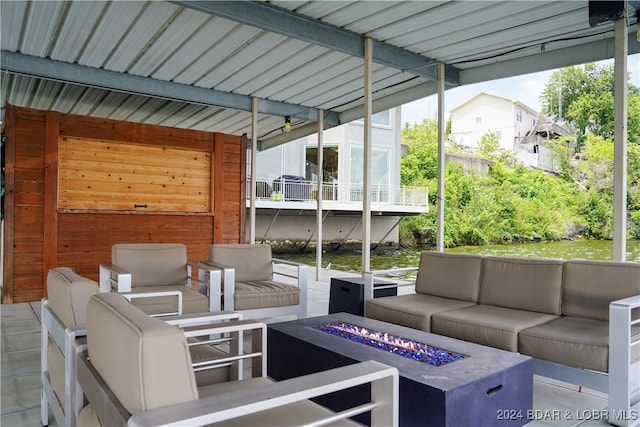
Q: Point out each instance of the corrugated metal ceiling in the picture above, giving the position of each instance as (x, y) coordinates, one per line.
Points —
(84, 57)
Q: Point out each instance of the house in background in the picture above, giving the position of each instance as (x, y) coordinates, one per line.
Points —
(520, 129)
(287, 184)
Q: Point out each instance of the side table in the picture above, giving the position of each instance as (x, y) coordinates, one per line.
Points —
(347, 294)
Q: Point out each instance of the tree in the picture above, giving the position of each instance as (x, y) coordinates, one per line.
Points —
(583, 96)
(489, 145)
(420, 163)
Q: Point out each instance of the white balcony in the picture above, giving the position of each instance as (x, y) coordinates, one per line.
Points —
(301, 194)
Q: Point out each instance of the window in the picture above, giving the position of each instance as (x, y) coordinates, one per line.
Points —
(329, 164)
(478, 120)
(518, 115)
(379, 174)
(382, 118)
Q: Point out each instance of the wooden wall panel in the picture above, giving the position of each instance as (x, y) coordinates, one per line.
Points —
(24, 205)
(39, 235)
(85, 240)
(110, 175)
(230, 226)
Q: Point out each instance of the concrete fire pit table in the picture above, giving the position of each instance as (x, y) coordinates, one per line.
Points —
(482, 386)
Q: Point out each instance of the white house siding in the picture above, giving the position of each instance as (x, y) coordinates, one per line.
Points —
(482, 114)
(290, 159)
(524, 122)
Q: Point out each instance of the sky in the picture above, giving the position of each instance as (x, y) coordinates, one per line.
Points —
(525, 88)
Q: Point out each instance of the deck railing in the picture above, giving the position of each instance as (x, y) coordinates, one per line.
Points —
(286, 190)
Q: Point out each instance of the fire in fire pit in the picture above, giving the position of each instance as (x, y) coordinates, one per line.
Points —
(410, 349)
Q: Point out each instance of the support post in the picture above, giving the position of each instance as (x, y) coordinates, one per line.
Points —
(441, 162)
(366, 179)
(254, 150)
(620, 140)
(319, 218)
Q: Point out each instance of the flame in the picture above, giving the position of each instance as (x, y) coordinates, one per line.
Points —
(385, 341)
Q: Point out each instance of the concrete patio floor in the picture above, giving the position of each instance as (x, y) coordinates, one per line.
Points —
(555, 403)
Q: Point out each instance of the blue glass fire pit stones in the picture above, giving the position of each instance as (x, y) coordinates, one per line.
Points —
(407, 348)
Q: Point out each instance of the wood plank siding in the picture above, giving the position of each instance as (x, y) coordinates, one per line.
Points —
(45, 228)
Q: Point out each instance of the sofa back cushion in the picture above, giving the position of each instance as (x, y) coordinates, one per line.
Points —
(522, 283)
(69, 294)
(589, 286)
(152, 264)
(144, 361)
(251, 262)
(447, 275)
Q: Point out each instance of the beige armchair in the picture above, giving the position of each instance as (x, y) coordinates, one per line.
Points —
(63, 325)
(249, 282)
(153, 267)
(136, 371)
(62, 320)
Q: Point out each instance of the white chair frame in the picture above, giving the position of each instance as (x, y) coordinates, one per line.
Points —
(228, 290)
(69, 339)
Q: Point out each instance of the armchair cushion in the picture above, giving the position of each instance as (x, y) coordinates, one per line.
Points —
(250, 295)
(153, 264)
(150, 369)
(69, 294)
(251, 262)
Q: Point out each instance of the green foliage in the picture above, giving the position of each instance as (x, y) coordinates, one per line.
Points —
(586, 97)
(488, 145)
(515, 201)
(420, 163)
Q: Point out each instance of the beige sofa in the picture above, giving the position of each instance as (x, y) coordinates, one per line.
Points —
(553, 310)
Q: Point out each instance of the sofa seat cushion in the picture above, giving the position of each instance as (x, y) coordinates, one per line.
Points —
(202, 353)
(487, 325)
(295, 414)
(266, 293)
(192, 300)
(574, 341)
(411, 310)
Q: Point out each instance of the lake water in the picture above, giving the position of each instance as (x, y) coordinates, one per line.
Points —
(386, 259)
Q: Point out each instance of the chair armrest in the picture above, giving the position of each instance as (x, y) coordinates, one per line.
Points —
(302, 278)
(369, 278)
(66, 339)
(114, 277)
(383, 405)
(136, 295)
(301, 270)
(198, 319)
(228, 287)
(624, 372)
(233, 333)
(209, 280)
